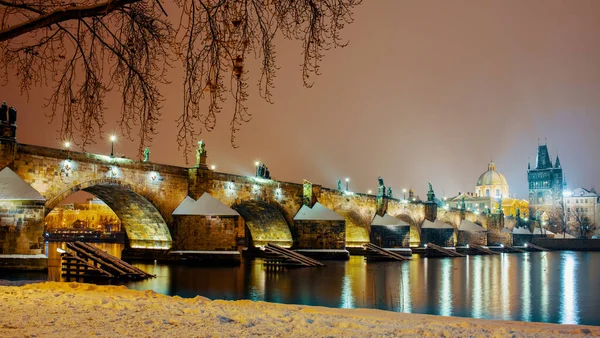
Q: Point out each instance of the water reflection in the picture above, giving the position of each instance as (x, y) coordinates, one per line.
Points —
(569, 296)
(531, 286)
(526, 288)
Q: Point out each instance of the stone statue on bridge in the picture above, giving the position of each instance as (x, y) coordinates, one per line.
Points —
(147, 154)
(4, 113)
(381, 188)
(389, 192)
(199, 152)
(339, 185)
(430, 194)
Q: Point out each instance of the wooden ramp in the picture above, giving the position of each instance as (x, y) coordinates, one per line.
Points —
(376, 253)
(87, 261)
(279, 257)
(482, 249)
(439, 251)
(535, 247)
(512, 249)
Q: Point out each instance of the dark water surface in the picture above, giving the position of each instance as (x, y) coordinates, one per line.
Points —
(556, 287)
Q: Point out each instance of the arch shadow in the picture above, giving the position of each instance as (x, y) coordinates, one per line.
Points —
(265, 223)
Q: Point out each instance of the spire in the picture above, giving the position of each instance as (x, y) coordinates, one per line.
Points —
(557, 165)
(542, 160)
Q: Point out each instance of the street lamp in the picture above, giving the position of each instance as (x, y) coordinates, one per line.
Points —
(113, 138)
(67, 146)
(347, 183)
(404, 192)
(213, 167)
(369, 192)
(257, 164)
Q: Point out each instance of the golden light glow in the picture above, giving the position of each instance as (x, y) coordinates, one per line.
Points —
(113, 138)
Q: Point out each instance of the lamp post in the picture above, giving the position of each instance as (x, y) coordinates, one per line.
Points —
(256, 164)
(347, 184)
(113, 138)
(404, 192)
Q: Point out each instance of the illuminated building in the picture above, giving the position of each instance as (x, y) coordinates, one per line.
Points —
(92, 215)
(545, 185)
(491, 188)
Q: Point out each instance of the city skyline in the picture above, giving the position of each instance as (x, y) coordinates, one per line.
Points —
(417, 96)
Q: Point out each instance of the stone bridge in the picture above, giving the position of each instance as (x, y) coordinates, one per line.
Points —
(144, 195)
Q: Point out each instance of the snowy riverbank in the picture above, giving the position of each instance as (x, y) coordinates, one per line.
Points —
(73, 309)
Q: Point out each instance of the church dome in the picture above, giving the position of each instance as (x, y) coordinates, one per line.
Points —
(491, 177)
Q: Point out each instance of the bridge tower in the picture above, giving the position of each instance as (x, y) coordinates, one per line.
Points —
(8, 134)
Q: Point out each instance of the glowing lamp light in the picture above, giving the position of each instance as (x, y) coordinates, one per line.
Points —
(257, 163)
(213, 167)
(347, 179)
(369, 192)
(113, 138)
(467, 246)
(67, 144)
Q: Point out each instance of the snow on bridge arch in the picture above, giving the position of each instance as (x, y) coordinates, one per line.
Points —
(265, 223)
(143, 223)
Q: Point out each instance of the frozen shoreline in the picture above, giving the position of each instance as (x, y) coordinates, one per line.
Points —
(75, 309)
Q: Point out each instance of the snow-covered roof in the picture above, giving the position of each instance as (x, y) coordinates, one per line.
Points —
(388, 219)
(435, 225)
(317, 213)
(466, 225)
(12, 187)
(537, 231)
(206, 205)
(521, 231)
(582, 192)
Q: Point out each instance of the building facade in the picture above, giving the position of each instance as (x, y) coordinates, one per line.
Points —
(581, 208)
(545, 185)
(491, 189)
(91, 215)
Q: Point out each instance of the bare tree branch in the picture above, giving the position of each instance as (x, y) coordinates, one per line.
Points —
(87, 48)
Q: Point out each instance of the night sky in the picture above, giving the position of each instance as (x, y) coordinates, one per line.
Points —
(426, 91)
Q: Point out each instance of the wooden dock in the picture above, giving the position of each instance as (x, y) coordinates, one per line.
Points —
(436, 250)
(279, 257)
(482, 249)
(88, 262)
(375, 253)
(534, 247)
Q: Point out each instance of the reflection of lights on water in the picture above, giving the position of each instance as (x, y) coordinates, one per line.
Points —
(544, 286)
(477, 289)
(526, 288)
(505, 298)
(446, 288)
(405, 302)
(568, 313)
(347, 299)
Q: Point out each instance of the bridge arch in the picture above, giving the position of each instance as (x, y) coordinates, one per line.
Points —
(265, 223)
(415, 227)
(143, 223)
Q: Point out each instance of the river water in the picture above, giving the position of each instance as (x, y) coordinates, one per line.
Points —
(555, 287)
